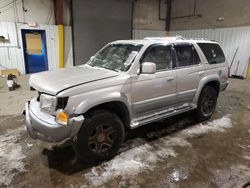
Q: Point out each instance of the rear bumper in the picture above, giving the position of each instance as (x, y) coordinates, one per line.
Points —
(43, 126)
(224, 85)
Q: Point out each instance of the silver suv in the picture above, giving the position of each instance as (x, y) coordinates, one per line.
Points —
(127, 84)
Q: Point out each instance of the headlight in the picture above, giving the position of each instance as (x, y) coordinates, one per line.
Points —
(48, 102)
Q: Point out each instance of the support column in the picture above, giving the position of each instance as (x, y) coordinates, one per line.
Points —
(168, 16)
(61, 46)
(248, 70)
(59, 22)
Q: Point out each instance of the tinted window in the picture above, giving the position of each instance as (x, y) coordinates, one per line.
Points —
(186, 55)
(160, 55)
(213, 52)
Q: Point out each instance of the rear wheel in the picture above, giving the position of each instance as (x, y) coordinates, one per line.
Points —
(206, 103)
(100, 137)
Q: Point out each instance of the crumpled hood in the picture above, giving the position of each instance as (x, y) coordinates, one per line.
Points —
(52, 82)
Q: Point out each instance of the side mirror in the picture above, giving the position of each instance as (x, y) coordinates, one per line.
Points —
(148, 68)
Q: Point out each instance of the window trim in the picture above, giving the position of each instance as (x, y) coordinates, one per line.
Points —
(186, 66)
(172, 54)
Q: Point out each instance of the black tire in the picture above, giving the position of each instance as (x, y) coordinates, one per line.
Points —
(247, 185)
(206, 103)
(100, 137)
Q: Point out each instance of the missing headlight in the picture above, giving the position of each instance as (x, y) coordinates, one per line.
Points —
(62, 102)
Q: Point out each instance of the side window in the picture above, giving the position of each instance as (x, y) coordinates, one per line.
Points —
(160, 55)
(186, 55)
(213, 52)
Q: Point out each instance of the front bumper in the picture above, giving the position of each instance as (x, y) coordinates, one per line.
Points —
(43, 126)
(224, 85)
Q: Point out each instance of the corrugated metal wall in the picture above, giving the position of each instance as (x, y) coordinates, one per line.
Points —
(229, 38)
(11, 53)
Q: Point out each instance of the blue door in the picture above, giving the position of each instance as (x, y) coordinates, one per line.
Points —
(34, 50)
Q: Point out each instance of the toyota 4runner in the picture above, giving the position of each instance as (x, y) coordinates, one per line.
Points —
(127, 84)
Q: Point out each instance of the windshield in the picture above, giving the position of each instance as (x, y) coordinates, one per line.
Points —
(116, 57)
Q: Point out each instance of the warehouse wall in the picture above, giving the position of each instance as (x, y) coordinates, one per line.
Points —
(40, 11)
(94, 26)
(229, 38)
(11, 53)
(235, 12)
(230, 32)
(13, 18)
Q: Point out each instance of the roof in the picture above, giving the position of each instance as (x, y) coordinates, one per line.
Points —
(164, 39)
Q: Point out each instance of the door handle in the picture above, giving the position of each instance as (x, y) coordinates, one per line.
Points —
(201, 73)
(169, 79)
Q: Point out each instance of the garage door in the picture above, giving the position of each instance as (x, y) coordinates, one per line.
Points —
(97, 22)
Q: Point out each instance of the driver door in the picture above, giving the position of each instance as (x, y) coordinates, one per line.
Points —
(152, 92)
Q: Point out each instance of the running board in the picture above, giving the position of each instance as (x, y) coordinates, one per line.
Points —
(160, 115)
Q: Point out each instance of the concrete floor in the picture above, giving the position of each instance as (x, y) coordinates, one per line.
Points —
(178, 152)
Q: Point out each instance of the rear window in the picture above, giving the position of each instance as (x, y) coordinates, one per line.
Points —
(213, 52)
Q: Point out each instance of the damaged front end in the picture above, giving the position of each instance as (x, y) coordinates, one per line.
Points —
(48, 126)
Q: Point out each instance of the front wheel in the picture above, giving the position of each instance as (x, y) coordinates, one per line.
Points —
(100, 137)
(206, 103)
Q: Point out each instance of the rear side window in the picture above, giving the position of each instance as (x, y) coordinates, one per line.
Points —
(186, 55)
(213, 53)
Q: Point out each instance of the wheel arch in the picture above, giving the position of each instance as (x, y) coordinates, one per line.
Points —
(117, 107)
(212, 81)
(116, 103)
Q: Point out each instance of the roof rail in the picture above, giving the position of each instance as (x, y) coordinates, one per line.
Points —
(165, 38)
(198, 39)
(202, 39)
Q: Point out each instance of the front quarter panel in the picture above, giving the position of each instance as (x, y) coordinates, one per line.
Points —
(90, 95)
(100, 98)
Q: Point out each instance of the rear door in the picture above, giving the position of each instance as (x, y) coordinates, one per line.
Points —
(189, 72)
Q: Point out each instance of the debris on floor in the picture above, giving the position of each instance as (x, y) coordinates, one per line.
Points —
(142, 156)
(11, 156)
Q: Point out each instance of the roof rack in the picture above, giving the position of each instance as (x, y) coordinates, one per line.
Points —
(202, 39)
(178, 37)
(198, 39)
(165, 38)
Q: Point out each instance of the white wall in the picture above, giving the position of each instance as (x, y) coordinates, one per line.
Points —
(229, 38)
(41, 11)
(66, 13)
(11, 53)
(13, 19)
